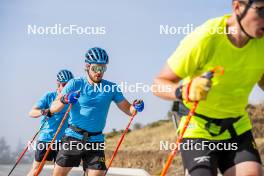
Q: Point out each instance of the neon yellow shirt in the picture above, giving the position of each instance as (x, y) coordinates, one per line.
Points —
(205, 49)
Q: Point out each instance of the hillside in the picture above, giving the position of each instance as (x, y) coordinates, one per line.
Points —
(141, 148)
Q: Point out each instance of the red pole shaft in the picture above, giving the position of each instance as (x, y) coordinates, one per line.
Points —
(219, 70)
(26, 148)
(179, 139)
(119, 143)
(54, 138)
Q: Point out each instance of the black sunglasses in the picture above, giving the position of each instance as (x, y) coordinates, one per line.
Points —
(260, 11)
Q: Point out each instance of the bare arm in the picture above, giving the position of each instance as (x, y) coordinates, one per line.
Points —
(126, 107)
(35, 112)
(261, 83)
(166, 78)
(57, 105)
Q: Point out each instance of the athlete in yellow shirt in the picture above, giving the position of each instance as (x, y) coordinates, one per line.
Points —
(220, 126)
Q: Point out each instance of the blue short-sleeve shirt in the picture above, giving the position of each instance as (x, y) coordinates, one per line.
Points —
(49, 129)
(90, 112)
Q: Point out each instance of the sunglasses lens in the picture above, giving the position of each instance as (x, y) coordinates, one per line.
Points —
(97, 69)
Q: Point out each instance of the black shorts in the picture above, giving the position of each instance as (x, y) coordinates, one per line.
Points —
(41, 148)
(217, 154)
(93, 156)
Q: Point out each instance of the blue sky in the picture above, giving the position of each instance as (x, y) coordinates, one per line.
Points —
(137, 50)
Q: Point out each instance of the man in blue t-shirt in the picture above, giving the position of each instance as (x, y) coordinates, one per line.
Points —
(49, 121)
(90, 97)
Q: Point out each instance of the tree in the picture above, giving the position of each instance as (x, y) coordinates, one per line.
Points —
(137, 126)
(27, 158)
(5, 154)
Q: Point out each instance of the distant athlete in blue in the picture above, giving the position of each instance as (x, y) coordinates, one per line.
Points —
(47, 132)
(88, 116)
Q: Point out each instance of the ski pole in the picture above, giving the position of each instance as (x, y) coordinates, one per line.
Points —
(26, 148)
(54, 138)
(208, 75)
(119, 143)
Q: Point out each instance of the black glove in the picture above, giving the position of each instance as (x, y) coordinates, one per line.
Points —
(46, 112)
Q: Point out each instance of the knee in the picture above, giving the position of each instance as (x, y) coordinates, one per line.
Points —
(95, 172)
(248, 168)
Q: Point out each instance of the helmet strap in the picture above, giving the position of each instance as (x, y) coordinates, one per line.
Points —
(240, 18)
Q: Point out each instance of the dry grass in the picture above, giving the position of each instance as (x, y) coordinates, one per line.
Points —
(145, 139)
(140, 148)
